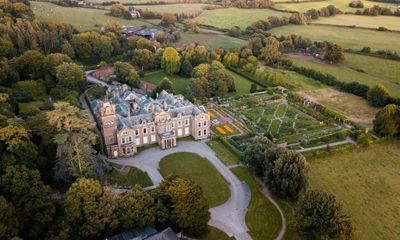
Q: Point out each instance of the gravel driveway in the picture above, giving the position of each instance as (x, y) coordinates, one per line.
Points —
(228, 217)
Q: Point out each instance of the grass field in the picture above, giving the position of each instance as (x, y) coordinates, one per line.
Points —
(128, 176)
(180, 84)
(356, 108)
(175, 8)
(391, 23)
(242, 84)
(363, 69)
(352, 38)
(229, 17)
(194, 167)
(216, 234)
(367, 182)
(223, 154)
(262, 218)
(80, 18)
(341, 4)
(211, 40)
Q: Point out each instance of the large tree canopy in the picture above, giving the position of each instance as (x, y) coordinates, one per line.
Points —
(171, 61)
(387, 120)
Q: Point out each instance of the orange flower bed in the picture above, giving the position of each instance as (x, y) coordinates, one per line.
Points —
(212, 115)
(229, 128)
(220, 130)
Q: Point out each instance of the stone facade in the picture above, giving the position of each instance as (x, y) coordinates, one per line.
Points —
(129, 120)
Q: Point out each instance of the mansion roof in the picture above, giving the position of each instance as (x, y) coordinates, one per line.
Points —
(133, 108)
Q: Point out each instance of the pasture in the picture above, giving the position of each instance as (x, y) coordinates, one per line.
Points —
(391, 23)
(80, 18)
(201, 171)
(211, 40)
(363, 69)
(355, 108)
(341, 4)
(175, 8)
(346, 37)
(228, 17)
(367, 182)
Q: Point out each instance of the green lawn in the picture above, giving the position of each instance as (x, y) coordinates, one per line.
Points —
(216, 234)
(229, 17)
(211, 40)
(262, 218)
(194, 167)
(389, 22)
(223, 154)
(242, 84)
(128, 176)
(367, 182)
(363, 69)
(352, 38)
(180, 84)
(341, 4)
(80, 18)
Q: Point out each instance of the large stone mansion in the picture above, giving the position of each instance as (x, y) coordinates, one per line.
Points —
(129, 120)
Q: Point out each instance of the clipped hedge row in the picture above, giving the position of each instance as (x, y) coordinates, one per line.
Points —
(337, 115)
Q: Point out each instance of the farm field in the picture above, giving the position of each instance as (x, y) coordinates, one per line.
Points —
(391, 23)
(128, 176)
(198, 169)
(211, 40)
(355, 108)
(262, 218)
(353, 38)
(363, 69)
(80, 18)
(367, 182)
(175, 8)
(341, 4)
(229, 17)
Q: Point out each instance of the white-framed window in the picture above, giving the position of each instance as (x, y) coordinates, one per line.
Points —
(144, 130)
(136, 132)
(186, 122)
(199, 124)
(130, 139)
(199, 133)
(128, 150)
(179, 123)
(123, 150)
(123, 140)
(205, 131)
(205, 123)
(152, 129)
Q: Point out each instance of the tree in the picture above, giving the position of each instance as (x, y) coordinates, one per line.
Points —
(34, 208)
(90, 209)
(168, 19)
(25, 91)
(378, 95)
(170, 61)
(118, 10)
(334, 53)
(113, 26)
(5, 47)
(287, 176)
(298, 19)
(67, 49)
(165, 84)
(186, 68)
(53, 60)
(125, 73)
(8, 220)
(15, 140)
(387, 121)
(255, 154)
(144, 58)
(270, 53)
(235, 31)
(136, 209)
(189, 211)
(71, 76)
(320, 216)
(231, 59)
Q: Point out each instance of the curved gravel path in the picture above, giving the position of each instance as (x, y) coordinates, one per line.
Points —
(228, 217)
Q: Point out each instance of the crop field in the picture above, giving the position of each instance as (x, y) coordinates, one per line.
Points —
(284, 121)
(341, 4)
(355, 108)
(346, 37)
(367, 182)
(175, 8)
(80, 18)
(363, 69)
(391, 23)
(211, 40)
(229, 17)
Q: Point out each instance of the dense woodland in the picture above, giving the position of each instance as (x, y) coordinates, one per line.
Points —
(51, 157)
